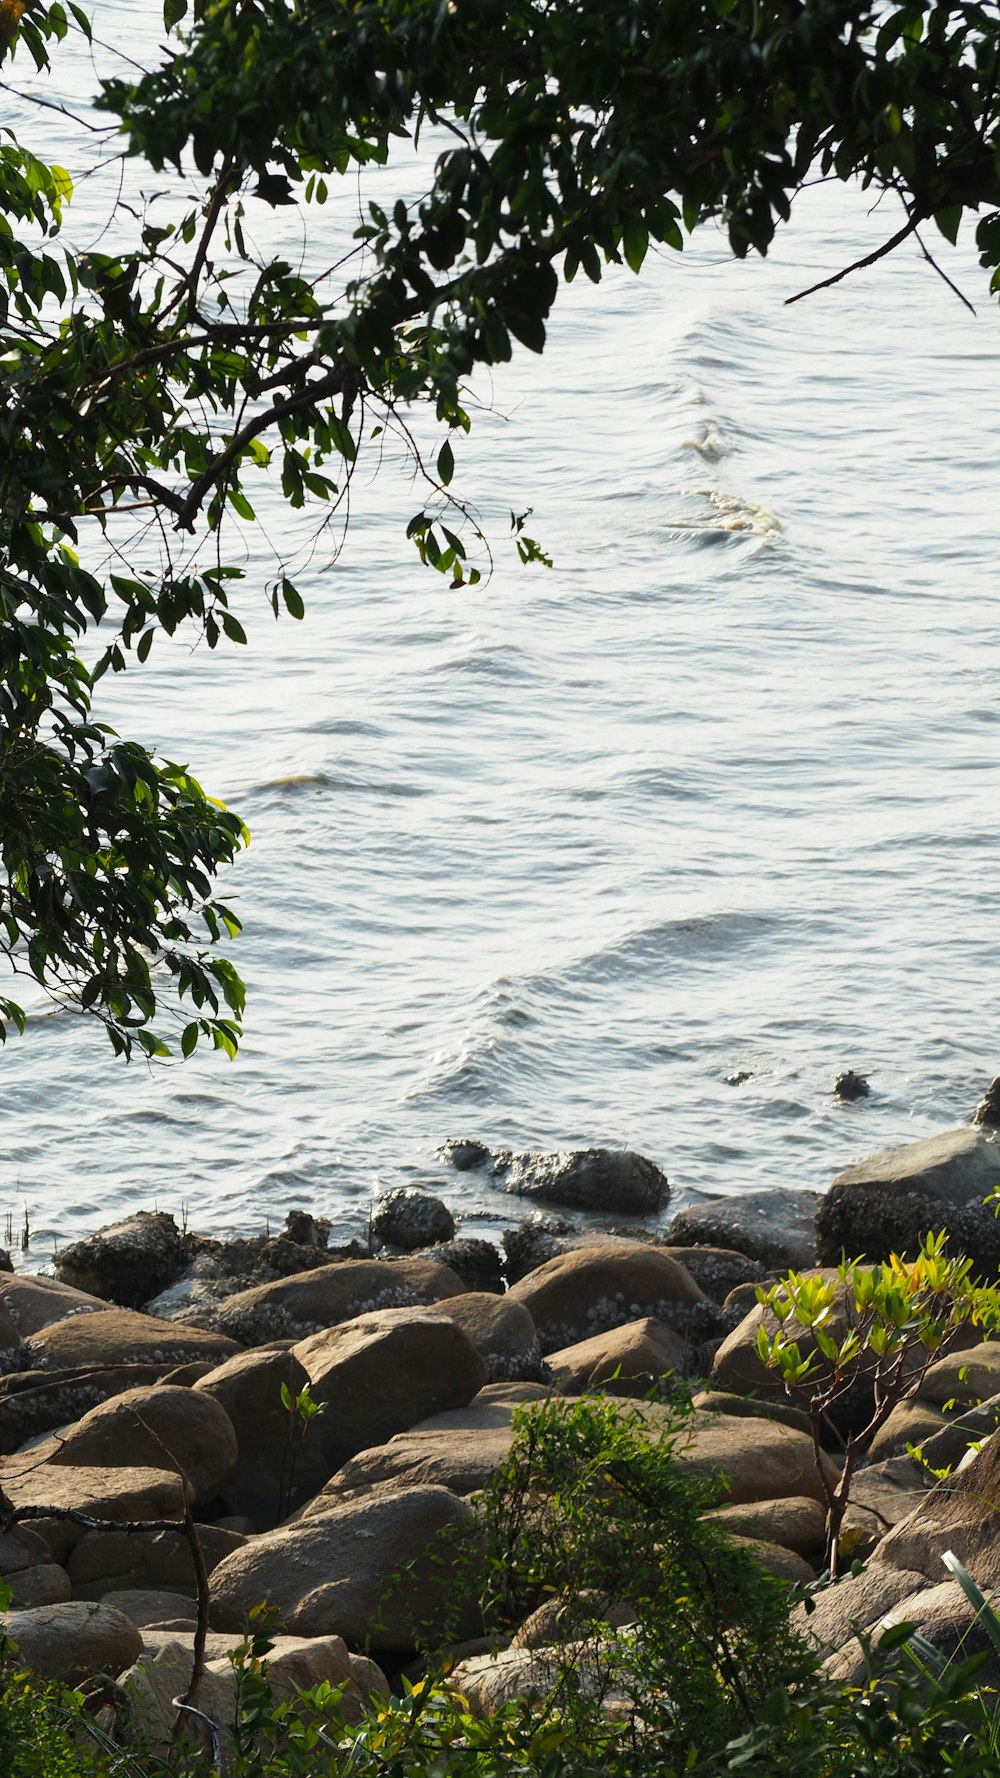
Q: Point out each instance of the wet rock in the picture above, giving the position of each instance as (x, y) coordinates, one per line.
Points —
(887, 1202)
(411, 1218)
(381, 1373)
(307, 1230)
(502, 1332)
(6, 1263)
(155, 1429)
(329, 1575)
(464, 1155)
(987, 1112)
(307, 1301)
(127, 1262)
(849, 1085)
(629, 1360)
(774, 1227)
(477, 1262)
(71, 1640)
(608, 1284)
(538, 1238)
(611, 1180)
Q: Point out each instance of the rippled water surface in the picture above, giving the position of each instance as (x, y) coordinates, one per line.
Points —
(545, 862)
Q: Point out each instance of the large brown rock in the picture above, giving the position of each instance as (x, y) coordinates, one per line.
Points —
(120, 1495)
(28, 1303)
(627, 1360)
(888, 1201)
(120, 1561)
(48, 1584)
(120, 1336)
(853, 1606)
(417, 1459)
(33, 1402)
(384, 1371)
(381, 1568)
(307, 1301)
(751, 1459)
(281, 1463)
(739, 1368)
(796, 1523)
(127, 1262)
(155, 1428)
(960, 1514)
(585, 1292)
(73, 1639)
(502, 1332)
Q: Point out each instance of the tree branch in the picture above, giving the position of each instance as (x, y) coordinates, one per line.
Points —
(909, 228)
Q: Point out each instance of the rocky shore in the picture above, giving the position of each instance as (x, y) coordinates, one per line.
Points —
(316, 1419)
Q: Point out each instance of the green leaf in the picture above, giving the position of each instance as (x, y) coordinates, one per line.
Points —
(293, 600)
(173, 12)
(189, 1039)
(445, 464)
(635, 242)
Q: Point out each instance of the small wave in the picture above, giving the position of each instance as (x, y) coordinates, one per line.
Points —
(343, 783)
(492, 660)
(731, 513)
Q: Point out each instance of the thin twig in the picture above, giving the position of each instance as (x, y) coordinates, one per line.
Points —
(910, 228)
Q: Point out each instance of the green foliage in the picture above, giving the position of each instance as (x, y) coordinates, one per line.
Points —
(165, 379)
(593, 1508)
(870, 1332)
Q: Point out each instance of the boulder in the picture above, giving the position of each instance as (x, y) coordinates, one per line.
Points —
(476, 1262)
(155, 1428)
(382, 1372)
(120, 1495)
(127, 1262)
(960, 1515)
(614, 1181)
(887, 1202)
(796, 1523)
(569, 1616)
(538, 1238)
(964, 1378)
(30, 1303)
(122, 1561)
(73, 1639)
(48, 1584)
(329, 1294)
(889, 1491)
(853, 1605)
(411, 1218)
(911, 1422)
(281, 1464)
(948, 1446)
(774, 1227)
(378, 1571)
(440, 1457)
(721, 1401)
(777, 1561)
(293, 1665)
(627, 1360)
(21, 1548)
(489, 1681)
(502, 1332)
(718, 1270)
(987, 1112)
(739, 1368)
(746, 1459)
(33, 1403)
(591, 1289)
(152, 1606)
(120, 1336)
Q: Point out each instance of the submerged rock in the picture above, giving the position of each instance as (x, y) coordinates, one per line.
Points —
(849, 1085)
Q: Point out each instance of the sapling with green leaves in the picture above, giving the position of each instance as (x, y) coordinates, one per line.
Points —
(872, 1331)
(302, 1410)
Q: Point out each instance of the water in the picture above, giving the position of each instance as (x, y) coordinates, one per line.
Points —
(545, 862)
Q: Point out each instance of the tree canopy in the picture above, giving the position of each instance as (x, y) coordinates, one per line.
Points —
(168, 377)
